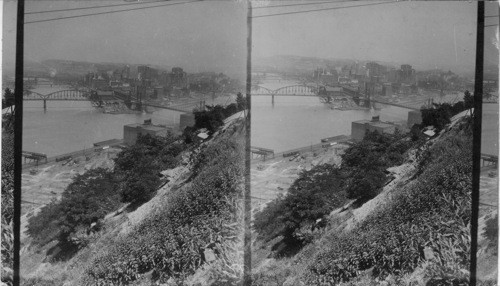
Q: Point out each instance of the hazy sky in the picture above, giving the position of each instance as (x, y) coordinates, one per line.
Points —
(199, 36)
(424, 34)
(211, 35)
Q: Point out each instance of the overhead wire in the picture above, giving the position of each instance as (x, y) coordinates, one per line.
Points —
(323, 9)
(110, 12)
(94, 7)
(302, 4)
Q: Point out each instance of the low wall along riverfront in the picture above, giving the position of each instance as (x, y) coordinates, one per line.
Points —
(69, 156)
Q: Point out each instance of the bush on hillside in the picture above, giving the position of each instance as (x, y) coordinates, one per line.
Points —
(312, 196)
(85, 201)
(172, 241)
(364, 163)
(214, 115)
(241, 101)
(433, 212)
(140, 185)
(439, 114)
(137, 166)
(156, 151)
(491, 231)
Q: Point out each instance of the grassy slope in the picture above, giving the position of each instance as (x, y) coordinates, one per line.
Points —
(377, 229)
(128, 230)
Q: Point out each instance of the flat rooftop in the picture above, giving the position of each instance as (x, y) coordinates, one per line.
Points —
(380, 124)
(147, 126)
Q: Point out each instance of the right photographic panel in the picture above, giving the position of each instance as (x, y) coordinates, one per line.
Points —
(362, 143)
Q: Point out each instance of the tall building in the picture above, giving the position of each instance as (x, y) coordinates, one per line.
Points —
(374, 69)
(178, 78)
(327, 77)
(407, 74)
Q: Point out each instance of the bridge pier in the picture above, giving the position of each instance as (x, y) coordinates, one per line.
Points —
(45, 105)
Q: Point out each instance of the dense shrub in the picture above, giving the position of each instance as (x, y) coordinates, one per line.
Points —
(214, 115)
(172, 241)
(85, 201)
(491, 231)
(98, 191)
(312, 196)
(318, 191)
(137, 166)
(140, 184)
(433, 211)
(440, 113)
(160, 152)
(241, 101)
(365, 162)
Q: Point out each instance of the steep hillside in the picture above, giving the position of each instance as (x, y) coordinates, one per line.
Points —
(414, 228)
(185, 232)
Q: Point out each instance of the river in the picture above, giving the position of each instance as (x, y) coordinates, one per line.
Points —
(293, 122)
(296, 121)
(69, 126)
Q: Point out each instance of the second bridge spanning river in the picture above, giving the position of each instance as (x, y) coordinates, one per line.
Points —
(102, 98)
(328, 94)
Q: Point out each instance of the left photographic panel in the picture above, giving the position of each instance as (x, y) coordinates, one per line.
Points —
(133, 142)
(8, 34)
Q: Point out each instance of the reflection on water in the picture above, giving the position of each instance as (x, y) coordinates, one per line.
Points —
(69, 126)
(296, 121)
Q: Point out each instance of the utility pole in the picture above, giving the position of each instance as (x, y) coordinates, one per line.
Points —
(476, 141)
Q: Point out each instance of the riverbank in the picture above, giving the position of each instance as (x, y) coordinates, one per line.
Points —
(68, 157)
(50, 180)
(274, 176)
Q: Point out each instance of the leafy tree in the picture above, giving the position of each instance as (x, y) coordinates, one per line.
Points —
(312, 196)
(8, 98)
(241, 101)
(214, 116)
(211, 119)
(364, 185)
(438, 116)
(43, 227)
(139, 185)
(86, 200)
(365, 162)
(468, 100)
(491, 231)
(189, 135)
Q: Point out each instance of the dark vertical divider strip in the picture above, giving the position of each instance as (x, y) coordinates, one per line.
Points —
(476, 145)
(247, 255)
(18, 140)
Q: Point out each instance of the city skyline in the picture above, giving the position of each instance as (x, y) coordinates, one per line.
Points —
(200, 36)
(403, 32)
(424, 34)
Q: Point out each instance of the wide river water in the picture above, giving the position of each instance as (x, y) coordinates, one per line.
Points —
(295, 121)
(69, 126)
(292, 122)
(300, 121)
